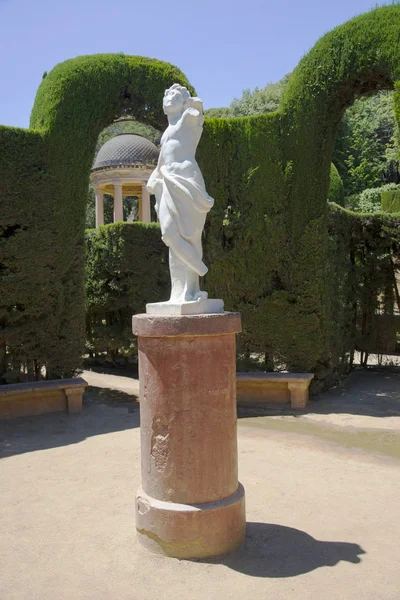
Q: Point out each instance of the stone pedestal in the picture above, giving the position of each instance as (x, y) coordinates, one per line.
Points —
(191, 504)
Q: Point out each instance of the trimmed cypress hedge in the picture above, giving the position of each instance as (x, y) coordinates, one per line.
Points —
(30, 289)
(44, 176)
(126, 267)
(363, 279)
(267, 240)
(391, 201)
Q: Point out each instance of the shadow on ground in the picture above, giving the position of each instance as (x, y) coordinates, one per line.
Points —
(104, 411)
(277, 551)
(368, 393)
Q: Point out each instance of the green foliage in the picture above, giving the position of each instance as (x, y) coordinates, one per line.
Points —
(126, 266)
(258, 101)
(336, 189)
(30, 287)
(364, 288)
(267, 240)
(44, 176)
(217, 113)
(369, 201)
(391, 201)
(367, 148)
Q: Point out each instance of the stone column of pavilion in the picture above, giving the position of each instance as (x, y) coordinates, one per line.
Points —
(191, 504)
(122, 167)
(99, 207)
(145, 212)
(118, 208)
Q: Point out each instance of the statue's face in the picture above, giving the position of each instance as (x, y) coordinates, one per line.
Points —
(173, 102)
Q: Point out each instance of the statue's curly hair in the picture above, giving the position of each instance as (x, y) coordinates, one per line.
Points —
(181, 89)
(188, 100)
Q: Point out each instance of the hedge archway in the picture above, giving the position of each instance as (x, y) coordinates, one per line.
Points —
(268, 236)
(43, 191)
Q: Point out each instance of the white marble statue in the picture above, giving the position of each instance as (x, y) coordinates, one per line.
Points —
(182, 204)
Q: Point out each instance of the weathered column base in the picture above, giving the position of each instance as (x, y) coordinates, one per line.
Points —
(190, 504)
(191, 530)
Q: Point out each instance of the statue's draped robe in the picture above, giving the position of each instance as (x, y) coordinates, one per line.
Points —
(188, 204)
(182, 202)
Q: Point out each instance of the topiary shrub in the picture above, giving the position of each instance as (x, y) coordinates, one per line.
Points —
(336, 189)
(369, 200)
(391, 201)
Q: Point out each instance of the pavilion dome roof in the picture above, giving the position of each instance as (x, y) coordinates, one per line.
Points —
(126, 150)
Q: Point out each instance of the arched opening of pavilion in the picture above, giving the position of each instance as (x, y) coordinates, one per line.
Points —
(122, 168)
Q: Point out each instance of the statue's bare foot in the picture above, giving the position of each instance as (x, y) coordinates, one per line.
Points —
(200, 296)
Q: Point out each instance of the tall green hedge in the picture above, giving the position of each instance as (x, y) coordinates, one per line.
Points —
(126, 267)
(267, 240)
(44, 175)
(390, 201)
(364, 288)
(29, 286)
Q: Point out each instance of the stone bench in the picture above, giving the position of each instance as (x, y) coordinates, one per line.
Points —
(38, 397)
(277, 388)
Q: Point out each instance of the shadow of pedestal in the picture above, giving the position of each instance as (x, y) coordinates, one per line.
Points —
(277, 551)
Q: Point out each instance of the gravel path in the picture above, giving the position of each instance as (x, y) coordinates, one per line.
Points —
(322, 496)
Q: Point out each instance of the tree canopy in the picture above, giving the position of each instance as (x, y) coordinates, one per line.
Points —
(367, 147)
(259, 101)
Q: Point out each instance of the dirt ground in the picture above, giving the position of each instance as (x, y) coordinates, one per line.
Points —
(322, 493)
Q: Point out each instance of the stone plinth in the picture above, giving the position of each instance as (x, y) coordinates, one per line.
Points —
(191, 504)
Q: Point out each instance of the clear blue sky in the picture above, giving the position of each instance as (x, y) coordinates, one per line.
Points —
(223, 46)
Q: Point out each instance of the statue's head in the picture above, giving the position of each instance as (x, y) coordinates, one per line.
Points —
(177, 99)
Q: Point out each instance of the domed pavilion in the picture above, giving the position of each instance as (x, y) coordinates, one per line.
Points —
(122, 167)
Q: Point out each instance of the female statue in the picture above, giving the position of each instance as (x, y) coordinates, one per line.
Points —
(182, 202)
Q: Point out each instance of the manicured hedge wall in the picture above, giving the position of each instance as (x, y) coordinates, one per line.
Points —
(126, 267)
(363, 279)
(29, 283)
(44, 175)
(267, 239)
(391, 201)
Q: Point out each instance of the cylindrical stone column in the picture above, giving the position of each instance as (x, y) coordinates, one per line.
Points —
(99, 207)
(118, 208)
(145, 206)
(191, 504)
